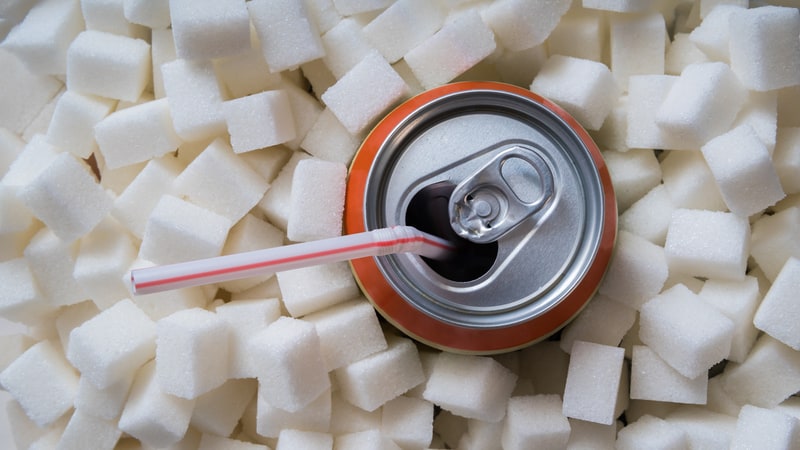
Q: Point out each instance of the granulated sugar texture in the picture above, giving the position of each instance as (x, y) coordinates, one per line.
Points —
(136, 133)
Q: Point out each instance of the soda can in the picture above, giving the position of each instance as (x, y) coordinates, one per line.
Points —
(516, 183)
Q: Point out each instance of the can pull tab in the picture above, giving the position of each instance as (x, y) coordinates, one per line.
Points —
(510, 188)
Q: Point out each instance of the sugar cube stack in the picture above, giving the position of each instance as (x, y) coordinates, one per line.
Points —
(136, 133)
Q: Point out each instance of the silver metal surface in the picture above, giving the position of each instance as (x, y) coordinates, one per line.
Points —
(541, 259)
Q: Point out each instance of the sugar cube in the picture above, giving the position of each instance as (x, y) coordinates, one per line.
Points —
(738, 300)
(637, 272)
(702, 103)
(328, 139)
(535, 421)
(275, 203)
(87, 431)
(105, 255)
(289, 364)
(764, 52)
(108, 65)
(763, 428)
(645, 95)
(314, 417)
(364, 93)
(42, 38)
(653, 379)
(24, 94)
(106, 403)
(713, 34)
(603, 321)
(585, 88)
(650, 432)
(195, 99)
(74, 118)
(580, 35)
(317, 200)
(345, 46)
(305, 111)
(289, 36)
(310, 440)
(348, 418)
(210, 441)
(681, 53)
(510, 19)
(181, 231)
(364, 440)
(66, 197)
(474, 387)
(317, 287)
(324, 14)
(52, 261)
(778, 313)
(190, 346)
(162, 49)
(152, 14)
(136, 134)
(220, 182)
(348, 332)
(703, 428)
(134, 204)
(402, 26)
(210, 29)
(709, 244)
(21, 300)
(637, 45)
(773, 240)
(219, 410)
(43, 382)
(690, 183)
(259, 120)
(372, 381)
(649, 216)
(408, 421)
(109, 16)
(246, 318)
(112, 344)
(246, 73)
(593, 382)
(767, 377)
(155, 418)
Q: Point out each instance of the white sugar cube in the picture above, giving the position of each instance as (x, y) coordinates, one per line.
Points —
(593, 382)
(651, 432)
(364, 440)
(209, 29)
(317, 287)
(246, 73)
(681, 53)
(155, 418)
(181, 231)
(136, 134)
(709, 244)
(764, 52)
(190, 348)
(787, 158)
(43, 383)
(305, 111)
(474, 387)
(703, 428)
(402, 26)
(66, 197)
(310, 440)
(603, 321)
(72, 317)
(637, 45)
(162, 49)
(109, 16)
(106, 403)
(774, 241)
(637, 272)
(778, 313)
(220, 182)
(289, 36)
(653, 379)
(688, 334)
(24, 94)
(317, 200)
(112, 344)
(633, 174)
(250, 234)
(713, 34)
(289, 364)
(42, 38)
(743, 171)
(579, 35)
(328, 139)
(52, 262)
(366, 91)
(459, 45)
(134, 204)
(408, 422)
(767, 377)
(21, 300)
(213, 442)
(738, 300)
(649, 216)
(763, 428)
(348, 332)
(585, 88)
(348, 418)
(86, 431)
(645, 95)
(275, 203)
(314, 417)
(511, 19)
(246, 318)
(324, 14)
(218, 411)
(690, 183)
(535, 421)
(702, 103)
(380, 377)
(74, 118)
(345, 46)
(195, 99)
(269, 161)
(108, 65)
(150, 13)
(259, 120)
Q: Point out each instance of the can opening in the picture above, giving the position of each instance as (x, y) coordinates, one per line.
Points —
(428, 211)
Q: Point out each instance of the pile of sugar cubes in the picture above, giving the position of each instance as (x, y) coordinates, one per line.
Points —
(144, 132)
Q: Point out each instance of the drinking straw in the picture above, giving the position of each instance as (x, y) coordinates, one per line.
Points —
(383, 241)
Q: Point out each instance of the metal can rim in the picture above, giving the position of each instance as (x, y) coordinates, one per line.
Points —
(430, 330)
